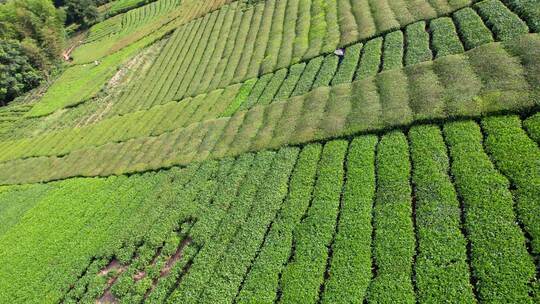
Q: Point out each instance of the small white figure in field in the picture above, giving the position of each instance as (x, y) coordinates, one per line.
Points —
(339, 52)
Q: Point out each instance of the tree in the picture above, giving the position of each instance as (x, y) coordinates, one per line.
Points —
(83, 12)
(17, 75)
(38, 25)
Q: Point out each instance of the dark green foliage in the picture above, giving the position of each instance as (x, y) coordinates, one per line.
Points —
(393, 242)
(445, 40)
(393, 51)
(249, 237)
(38, 25)
(351, 260)
(500, 263)
(471, 28)
(288, 85)
(528, 10)
(262, 281)
(17, 75)
(240, 98)
(257, 91)
(518, 158)
(327, 71)
(504, 24)
(305, 82)
(272, 88)
(370, 60)
(417, 44)
(442, 273)
(83, 12)
(345, 72)
(304, 274)
(532, 125)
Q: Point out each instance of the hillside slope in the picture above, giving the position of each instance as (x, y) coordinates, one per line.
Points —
(281, 151)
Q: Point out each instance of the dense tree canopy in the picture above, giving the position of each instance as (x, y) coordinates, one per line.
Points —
(32, 35)
(17, 75)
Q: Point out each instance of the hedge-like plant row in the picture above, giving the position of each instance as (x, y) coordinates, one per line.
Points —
(114, 34)
(400, 217)
(418, 42)
(391, 98)
(499, 259)
(260, 38)
(445, 41)
(517, 156)
(404, 96)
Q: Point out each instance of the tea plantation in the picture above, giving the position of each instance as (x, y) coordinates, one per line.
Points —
(280, 151)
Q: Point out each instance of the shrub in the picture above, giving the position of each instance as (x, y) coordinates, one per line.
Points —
(272, 88)
(383, 16)
(394, 240)
(303, 23)
(289, 33)
(347, 23)
(241, 98)
(504, 24)
(392, 56)
(417, 44)
(500, 262)
(262, 281)
(303, 276)
(471, 28)
(445, 40)
(257, 91)
(345, 72)
(305, 82)
(351, 259)
(291, 81)
(249, 46)
(442, 271)
(276, 38)
(317, 29)
(251, 235)
(516, 156)
(532, 124)
(370, 60)
(327, 71)
(528, 10)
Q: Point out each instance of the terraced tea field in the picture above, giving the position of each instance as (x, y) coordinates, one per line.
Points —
(281, 151)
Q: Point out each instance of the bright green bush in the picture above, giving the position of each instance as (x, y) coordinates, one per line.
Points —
(263, 279)
(471, 28)
(504, 23)
(532, 125)
(445, 40)
(393, 239)
(305, 83)
(528, 10)
(441, 269)
(257, 91)
(370, 60)
(417, 41)
(289, 84)
(500, 262)
(351, 259)
(392, 56)
(347, 67)
(304, 274)
(327, 71)
(517, 157)
(273, 87)
(238, 256)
